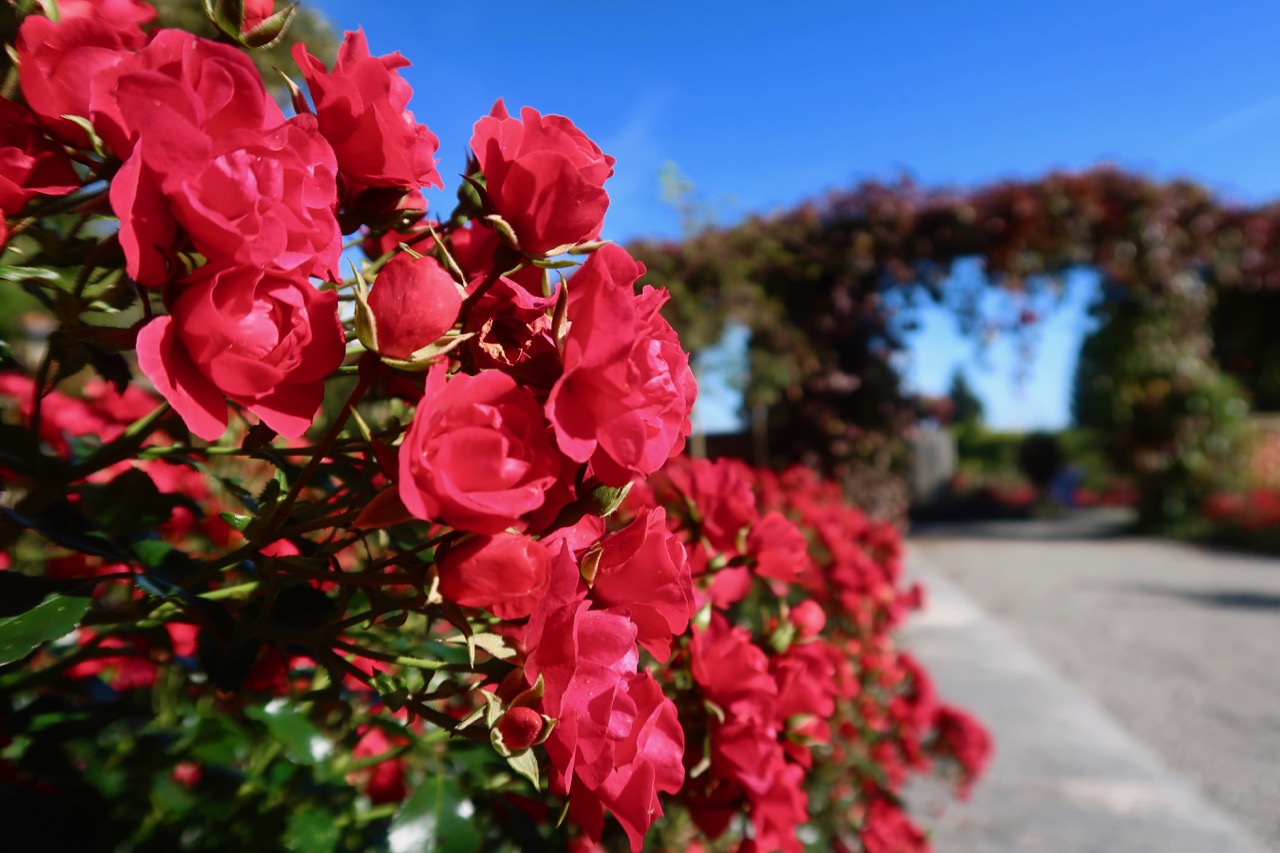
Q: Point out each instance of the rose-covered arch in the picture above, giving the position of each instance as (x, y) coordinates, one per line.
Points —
(823, 288)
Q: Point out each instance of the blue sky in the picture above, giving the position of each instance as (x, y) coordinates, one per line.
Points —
(764, 105)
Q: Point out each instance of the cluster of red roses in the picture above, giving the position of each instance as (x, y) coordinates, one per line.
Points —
(724, 642)
(798, 702)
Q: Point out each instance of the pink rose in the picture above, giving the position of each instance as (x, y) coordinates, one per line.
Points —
(477, 455)
(413, 302)
(624, 399)
(361, 108)
(648, 760)
(263, 338)
(506, 574)
(543, 176)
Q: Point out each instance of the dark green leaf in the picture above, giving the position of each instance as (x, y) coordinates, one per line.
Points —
(54, 617)
(20, 452)
(63, 524)
(131, 504)
(19, 593)
(239, 522)
(112, 367)
(66, 357)
(227, 662)
(165, 568)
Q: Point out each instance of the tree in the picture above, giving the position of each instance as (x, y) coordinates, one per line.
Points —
(966, 405)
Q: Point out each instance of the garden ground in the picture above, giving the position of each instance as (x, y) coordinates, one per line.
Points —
(1131, 685)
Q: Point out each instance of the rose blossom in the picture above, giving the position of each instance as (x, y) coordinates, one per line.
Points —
(215, 87)
(30, 163)
(122, 14)
(506, 574)
(513, 334)
(642, 570)
(261, 337)
(624, 399)
(361, 108)
(543, 176)
(252, 197)
(58, 61)
(618, 741)
(477, 455)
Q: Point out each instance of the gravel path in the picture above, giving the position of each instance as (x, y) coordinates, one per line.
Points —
(1180, 645)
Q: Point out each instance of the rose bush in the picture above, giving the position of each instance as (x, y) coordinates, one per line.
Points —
(289, 561)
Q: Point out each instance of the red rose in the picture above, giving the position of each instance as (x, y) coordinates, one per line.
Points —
(617, 741)
(721, 490)
(263, 338)
(215, 87)
(361, 108)
(624, 399)
(30, 163)
(513, 334)
(413, 302)
(58, 62)
(642, 569)
(253, 198)
(779, 548)
(506, 574)
(648, 759)
(119, 13)
(477, 455)
(543, 176)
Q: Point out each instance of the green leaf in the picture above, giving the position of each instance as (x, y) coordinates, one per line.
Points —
(271, 30)
(312, 831)
(166, 569)
(131, 504)
(555, 264)
(20, 451)
(302, 741)
(525, 763)
(8, 273)
(239, 522)
(228, 15)
(51, 619)
(435, 817)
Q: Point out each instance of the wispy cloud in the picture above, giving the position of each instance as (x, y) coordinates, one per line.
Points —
(633, 189)
(1227, 126)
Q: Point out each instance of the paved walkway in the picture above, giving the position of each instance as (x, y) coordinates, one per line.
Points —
(1104, 686)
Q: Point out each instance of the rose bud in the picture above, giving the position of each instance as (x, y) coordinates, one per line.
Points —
(414, 301)
(520, 728)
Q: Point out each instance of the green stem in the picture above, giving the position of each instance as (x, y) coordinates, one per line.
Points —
(123, 447)
(321, 450)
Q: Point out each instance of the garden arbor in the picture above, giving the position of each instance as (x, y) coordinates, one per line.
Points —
(823, 287)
